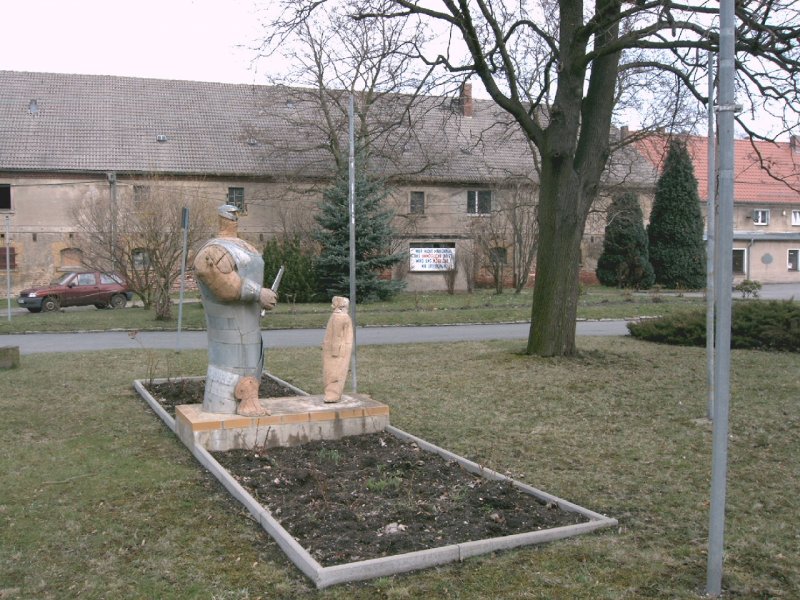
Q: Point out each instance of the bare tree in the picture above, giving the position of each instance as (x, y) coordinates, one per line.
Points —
(333, 57)
(561, 68)
(490, 236)
(139, 235)
(518, 204)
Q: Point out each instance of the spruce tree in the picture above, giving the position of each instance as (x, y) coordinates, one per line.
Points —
(677, 250)
(373, 240)
(299, 283)
(625, 260)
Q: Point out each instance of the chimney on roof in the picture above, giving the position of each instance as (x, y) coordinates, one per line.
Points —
(794, 143)
(465, 99)
(623, 132)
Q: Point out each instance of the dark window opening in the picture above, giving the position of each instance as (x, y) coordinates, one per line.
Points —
(141, 193)
(738, 260)
(479, 202)
(498, 256)
(12, 259)
(5, 197)
(417, 203)
(236, 198)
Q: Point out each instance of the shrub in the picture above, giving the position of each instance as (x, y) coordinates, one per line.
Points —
(675, 232)
(748, 287)
(299, 283)
(773, 325)
(625, 260)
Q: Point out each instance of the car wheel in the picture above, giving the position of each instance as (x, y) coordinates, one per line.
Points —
(50, 304)
(118, 301)
(101, 305)
(34, 310)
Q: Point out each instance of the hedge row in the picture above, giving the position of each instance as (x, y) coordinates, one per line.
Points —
(772, 325)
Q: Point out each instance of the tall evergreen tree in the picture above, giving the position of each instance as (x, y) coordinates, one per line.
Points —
(373, 240)
(677, 250)
(625, 259)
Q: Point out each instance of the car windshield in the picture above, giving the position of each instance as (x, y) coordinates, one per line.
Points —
(63, 279)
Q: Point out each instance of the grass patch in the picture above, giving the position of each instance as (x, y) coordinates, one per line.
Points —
(99, 499)
(430, 308)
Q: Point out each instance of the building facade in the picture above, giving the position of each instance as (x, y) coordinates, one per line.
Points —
(68, 142)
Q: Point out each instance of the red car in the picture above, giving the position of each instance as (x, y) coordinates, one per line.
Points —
(103, 290)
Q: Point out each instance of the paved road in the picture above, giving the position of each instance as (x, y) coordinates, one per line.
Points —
(79, 342)
(190, 340)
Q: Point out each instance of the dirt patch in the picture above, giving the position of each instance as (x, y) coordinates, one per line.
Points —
(190, 391)
(373, 495)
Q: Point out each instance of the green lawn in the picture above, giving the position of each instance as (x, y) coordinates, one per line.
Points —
(100, 500)
(432, 308)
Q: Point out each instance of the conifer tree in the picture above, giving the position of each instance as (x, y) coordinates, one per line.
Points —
(675, 233)
(373, 240)
(625, 259)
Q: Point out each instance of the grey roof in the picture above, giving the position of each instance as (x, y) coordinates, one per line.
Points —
(91, 123)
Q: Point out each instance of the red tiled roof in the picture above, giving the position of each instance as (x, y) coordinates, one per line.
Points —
(764, 172)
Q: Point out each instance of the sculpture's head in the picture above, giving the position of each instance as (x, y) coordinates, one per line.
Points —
(229, 212)
(340, 302)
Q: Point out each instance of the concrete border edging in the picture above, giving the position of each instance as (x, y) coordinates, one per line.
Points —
(400, 563)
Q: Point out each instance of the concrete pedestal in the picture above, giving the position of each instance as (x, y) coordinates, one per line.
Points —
(293, 420)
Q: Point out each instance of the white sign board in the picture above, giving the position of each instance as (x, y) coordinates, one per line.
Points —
(433, 259)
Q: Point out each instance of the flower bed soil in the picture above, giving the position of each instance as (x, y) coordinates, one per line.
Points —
(373, 495)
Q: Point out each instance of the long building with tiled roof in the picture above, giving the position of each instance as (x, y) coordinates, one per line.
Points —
(70, 139)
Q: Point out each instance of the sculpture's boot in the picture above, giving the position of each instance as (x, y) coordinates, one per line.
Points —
(247, 393)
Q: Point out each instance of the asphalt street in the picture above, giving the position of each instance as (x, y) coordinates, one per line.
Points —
(286, 338)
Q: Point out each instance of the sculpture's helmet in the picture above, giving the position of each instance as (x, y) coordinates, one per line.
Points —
(228, 211)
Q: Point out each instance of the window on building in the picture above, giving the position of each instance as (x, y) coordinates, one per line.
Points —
(5, 197)
(739, 255)
(479, 202)
(794, 260)
(760, 216)
(71, 258)
(796, 217)
(12, 258)
(498, 256)
(236, 198)
(417, 203)
(141, 193)
(141, 259)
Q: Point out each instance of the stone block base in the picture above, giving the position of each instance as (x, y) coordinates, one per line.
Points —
(292, 420)
(9, 357)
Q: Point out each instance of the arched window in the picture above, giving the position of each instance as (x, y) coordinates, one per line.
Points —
(71, 258)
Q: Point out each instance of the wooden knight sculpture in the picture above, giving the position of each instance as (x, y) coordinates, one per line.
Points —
(230, 274)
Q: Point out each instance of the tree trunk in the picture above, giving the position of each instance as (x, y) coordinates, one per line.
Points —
(563, 209)
(163, 304)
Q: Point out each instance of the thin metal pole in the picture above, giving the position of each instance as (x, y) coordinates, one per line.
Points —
(112, 180)
(352, 211)
(185, 227)
(8, 265)
(711, 217)
(724, 279)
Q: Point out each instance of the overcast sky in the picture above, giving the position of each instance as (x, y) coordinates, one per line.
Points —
(206, 40)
